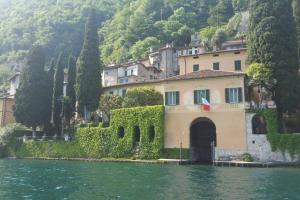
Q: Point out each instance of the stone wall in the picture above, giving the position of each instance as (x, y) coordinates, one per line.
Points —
(260, 148)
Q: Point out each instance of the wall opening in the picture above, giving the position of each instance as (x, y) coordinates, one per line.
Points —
(259, 125)
(121, 132)
(151, 133)
(202, 140)
(136, 135)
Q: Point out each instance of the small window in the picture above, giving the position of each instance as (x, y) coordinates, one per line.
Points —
(196, 51)
(190, 52)
(121, 132)
(233, 95)
(216, 66)
(125, 73)
(237, 52)
(237, 65)
(259, 125)
(151, 133)
(196, 57)
(171, 98)
(199, 95)
(111, 92)
(216, 55)
(195, 68)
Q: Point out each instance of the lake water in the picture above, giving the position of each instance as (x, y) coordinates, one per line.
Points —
(43, 180)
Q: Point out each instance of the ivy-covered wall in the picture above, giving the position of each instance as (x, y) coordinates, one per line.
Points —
(119, 140)
(282, 142)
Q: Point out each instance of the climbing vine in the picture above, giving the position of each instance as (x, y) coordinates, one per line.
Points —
(282, 142)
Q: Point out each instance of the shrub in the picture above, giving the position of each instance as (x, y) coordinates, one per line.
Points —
(143, 96)
(247, 157)
(6, 138)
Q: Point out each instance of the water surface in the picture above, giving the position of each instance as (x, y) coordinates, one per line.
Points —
(49, 180)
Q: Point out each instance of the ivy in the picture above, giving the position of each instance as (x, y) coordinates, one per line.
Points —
(278, 141)
(106, 142)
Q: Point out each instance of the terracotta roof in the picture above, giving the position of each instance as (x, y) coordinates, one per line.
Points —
(194, 75)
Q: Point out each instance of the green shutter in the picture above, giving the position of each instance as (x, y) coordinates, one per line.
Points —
(166, 98)
(177, 98)
(195, 97)
(227, 95)
(240, 91)
(208, 96)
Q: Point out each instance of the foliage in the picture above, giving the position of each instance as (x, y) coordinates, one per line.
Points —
(240, 5)
(247, 157)
(219, 37)
(58, 93)
(221, 13)
(57, 25)
(143, 96)
(275, 47)
(70, 90)
(109, 102)
(143, 47)
(32, 99)
(105, 142)
(5, 74)
(89, 67)
(278, 141)
(50, 149)
(296, 9)
(7, 138)
(175, 153)
(260, 75)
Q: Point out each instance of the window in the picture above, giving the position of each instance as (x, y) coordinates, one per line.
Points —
(196, 51)
(171, 98)
(111, 92)
(125, 73)
(121, 132)
(237, 65)
(190, 52)
(216, 66)
(215, 55)
(151, 133)
(233, 95)
(195, 68)
(199, 94)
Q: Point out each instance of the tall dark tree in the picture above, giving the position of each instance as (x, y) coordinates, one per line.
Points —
(58, 93)
(70, 91)
(31, 97)
(296, 8)
(272, 43)
(88, 75)
(221, 13)
(50, 84)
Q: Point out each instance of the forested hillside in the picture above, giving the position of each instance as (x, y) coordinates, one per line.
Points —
(131, 26)
(58, 25)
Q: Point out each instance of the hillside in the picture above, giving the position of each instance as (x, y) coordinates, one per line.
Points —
(131, 26)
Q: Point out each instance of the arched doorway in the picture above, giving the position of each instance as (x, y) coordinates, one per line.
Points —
(202, 136)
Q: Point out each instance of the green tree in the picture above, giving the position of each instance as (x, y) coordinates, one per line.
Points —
(58, 93)
(31, 97)
(88, 76)
(272, 43)
(144, 96)
(142, 48)
(296, 8)
(221, 13)
(109, 102)
(219, 37)
(240, 5)
(70, 90)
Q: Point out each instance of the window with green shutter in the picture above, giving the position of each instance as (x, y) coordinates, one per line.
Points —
(237, 65)
(201, 94)
(233, 95)
(195, 68)
(172, 98)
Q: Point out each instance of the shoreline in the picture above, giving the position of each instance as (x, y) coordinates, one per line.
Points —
(239, 164)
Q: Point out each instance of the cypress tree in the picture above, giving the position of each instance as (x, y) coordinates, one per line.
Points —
(58, 93)
(31, 97)
(70, 91)
(273, 44)
(296, 8)
(88, 75)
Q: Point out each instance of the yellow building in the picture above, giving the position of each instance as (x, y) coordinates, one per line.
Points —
(6, 111)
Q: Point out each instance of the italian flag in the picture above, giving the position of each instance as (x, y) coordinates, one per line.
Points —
(205, 105)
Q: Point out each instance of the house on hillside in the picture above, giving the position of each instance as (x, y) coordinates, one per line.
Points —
(206, 106)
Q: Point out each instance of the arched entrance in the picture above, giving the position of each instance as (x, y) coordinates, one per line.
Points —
(202, 135)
